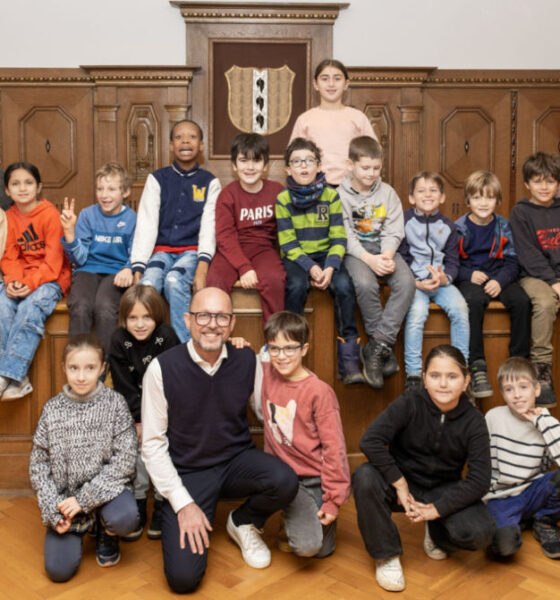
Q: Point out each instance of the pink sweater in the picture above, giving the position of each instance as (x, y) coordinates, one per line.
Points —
(332, 131)
(302, 427)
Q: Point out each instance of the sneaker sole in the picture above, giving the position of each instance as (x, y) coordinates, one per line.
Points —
(132, 537)
(153, 535)
(537, 403)
(111, 563)
(16, 394)
(483, 394)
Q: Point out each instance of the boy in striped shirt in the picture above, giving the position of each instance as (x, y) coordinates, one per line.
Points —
(312, 243)
(524, 443)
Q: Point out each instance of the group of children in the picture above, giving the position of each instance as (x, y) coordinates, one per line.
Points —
(281, 241)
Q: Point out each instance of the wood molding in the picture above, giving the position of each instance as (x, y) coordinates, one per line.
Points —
(131, 75)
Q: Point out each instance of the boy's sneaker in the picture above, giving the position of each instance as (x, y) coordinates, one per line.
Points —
(431, 550)
(374, 355)
(154, 530)
(391, 365)
(4, 383)
(254, 551)
(137, 534)
(348, 360)
(547, 397)
(17, 389)
(549, 538)
(412, 382)
(389, 574)
(481, 387)
(107, 552)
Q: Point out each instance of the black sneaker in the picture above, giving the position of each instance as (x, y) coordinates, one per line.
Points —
(481, 387)
(374, 355)
(549, 538)
(547, 397)
(412, 382)
(107, 549)
(137, 533)
(154, 530)
(391, 365)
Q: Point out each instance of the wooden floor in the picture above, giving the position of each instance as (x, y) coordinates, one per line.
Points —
(348, 574)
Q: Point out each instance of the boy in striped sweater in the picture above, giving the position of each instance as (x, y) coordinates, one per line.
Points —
(524, 443)
(312, 244)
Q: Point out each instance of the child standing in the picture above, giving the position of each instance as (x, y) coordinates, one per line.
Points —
(36, 275)
(524, 443)
(312, 243)
(331, 125)
(98, 243)
(488, 270)
(175, 239)
(417, 450)
(535, 223)
(431, 251)
(302, 427)
(373, 219)
(83, 456)
(141, 335)
(246, 237)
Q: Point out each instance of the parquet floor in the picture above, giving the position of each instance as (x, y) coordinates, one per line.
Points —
(348, 574)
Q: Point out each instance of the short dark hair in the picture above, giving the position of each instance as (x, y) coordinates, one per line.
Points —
(83, 340)
(330, 62)
(300, 143)
(291, 325)
(175, 125)
(447, 351)
(480, 182)
(364, 146)
(541, 164)
(26, 166)
(251, 145)
(436, 177)
(515, 368)
(148, 296)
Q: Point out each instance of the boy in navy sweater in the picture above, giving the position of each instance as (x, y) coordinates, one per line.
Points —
(175, 239)
(98, 244)
(488, 270)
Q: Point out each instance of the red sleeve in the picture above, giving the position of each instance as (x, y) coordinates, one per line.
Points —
(227, 235)
(11, 264)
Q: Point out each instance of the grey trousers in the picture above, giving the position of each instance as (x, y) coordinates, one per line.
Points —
(306, 535)
(381, 323)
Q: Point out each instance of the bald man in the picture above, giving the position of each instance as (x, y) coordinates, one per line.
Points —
(197, 447)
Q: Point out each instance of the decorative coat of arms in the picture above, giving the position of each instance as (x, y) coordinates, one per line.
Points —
(259, 100)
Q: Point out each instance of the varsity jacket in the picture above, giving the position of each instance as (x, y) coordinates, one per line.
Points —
(102, 243)
(176, 212)
(375, 216)
(414, 439)
(536, 231)
(429, 240)
(501, 265)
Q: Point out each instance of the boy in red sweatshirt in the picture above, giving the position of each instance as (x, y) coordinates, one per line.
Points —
(246, 227)
(302, 427)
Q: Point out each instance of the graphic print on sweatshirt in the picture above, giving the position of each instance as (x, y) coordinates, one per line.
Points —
(365, 216)
(549, 239)
(198, 194)
(29, 240)
(281, 421)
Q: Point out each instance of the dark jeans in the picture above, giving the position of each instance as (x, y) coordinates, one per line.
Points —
(470, 528)
(341, 289)
(268, 482)
(517, 303)
(93, 298)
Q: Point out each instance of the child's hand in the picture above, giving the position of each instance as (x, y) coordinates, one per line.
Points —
(199, 281)
(249, 280)
(239, 342)
(438, 274)
(493, 288)
(68, 219)
(69, 507)
(316, 273)
(478, 277)
(427, 285)
(380, 264)
(325, 279)
(325, 518)
(136, 277)
(124, 278)
(16, 289)
(532, 414)
(63, 525)
(423, 512)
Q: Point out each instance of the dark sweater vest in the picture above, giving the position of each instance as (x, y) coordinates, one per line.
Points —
(207, 415)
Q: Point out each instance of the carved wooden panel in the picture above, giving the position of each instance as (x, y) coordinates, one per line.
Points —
(142, 148)
(379, 116)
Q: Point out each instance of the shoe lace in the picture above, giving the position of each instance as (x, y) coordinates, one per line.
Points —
(391, 564)
(548, 533)
(251, 537)
(543, 374)
(105, 540)
(479, 378)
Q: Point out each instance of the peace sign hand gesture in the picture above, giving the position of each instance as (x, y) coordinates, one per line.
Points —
(68, 219)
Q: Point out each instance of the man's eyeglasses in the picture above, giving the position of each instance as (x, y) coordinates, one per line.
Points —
(303, 162)
(288, 351)
(204, 318)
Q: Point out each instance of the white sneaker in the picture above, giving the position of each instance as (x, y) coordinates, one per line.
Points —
(431, 549)
(17, 389)
(254, 551)
(389, 574)
(4, 383)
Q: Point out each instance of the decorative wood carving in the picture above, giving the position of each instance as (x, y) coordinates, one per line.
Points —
(411, 121)
(380, 118)
(142, 142)
(546, 131)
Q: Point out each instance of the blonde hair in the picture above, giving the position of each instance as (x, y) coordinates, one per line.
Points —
(481, 182)
(515, 368)
(113, 169)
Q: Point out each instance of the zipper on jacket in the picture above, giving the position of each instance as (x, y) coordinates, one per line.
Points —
(428, 240)
(439, 434)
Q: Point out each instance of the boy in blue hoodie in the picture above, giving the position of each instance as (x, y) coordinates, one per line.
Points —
(488, 270)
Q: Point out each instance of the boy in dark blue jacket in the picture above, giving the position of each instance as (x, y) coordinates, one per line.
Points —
(488, 270)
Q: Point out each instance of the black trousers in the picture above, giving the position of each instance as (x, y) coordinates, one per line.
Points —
(517, 303)
(469, 529)
(268, 482)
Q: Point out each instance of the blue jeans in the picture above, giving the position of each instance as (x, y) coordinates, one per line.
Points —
(22, 324)
(453, 303)
(174, 273)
